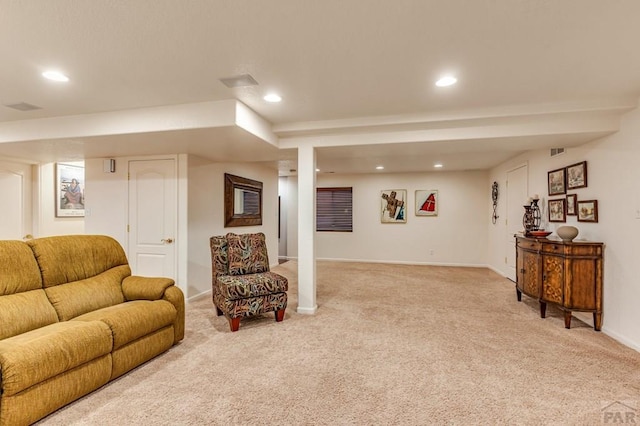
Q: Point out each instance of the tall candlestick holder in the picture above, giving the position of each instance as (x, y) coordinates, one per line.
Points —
(528, 220)
(536, 215)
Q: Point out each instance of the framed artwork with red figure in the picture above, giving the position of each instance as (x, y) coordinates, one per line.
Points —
(427, 202)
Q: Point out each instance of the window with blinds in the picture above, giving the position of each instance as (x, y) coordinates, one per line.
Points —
(334, 210)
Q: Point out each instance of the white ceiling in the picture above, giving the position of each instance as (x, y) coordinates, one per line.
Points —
(356, 76)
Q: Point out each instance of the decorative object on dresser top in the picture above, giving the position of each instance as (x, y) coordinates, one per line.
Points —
(566, 274)
(532, 218)
(567, 233)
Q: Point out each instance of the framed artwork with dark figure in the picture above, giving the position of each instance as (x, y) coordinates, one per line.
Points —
(577, 175)
(571, 205)
(556, 180)
(587, 211)
(557, 211)
(69, 190)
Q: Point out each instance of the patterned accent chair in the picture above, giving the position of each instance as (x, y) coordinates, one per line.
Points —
(242, 284)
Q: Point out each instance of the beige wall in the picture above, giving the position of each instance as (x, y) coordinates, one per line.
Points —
(613, 180)
(200, 211)
(206, 214)
(457, 236)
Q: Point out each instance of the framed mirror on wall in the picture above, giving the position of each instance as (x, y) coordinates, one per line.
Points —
(242, 201)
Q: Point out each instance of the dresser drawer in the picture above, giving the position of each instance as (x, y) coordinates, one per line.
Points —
(529, 245)
(553, 248)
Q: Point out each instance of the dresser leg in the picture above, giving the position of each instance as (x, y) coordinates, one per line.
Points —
(543, 309)
(567, 319)
(518, 295)
(597, 320)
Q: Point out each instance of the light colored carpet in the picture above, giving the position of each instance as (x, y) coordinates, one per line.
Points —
(390, 344)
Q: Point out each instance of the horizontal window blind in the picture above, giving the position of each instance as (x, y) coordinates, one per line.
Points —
(334, 209)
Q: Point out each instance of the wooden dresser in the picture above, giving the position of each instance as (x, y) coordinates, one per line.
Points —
(566, 274)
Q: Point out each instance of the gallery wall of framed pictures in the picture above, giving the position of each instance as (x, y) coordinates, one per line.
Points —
(560, 182)
(393, 207)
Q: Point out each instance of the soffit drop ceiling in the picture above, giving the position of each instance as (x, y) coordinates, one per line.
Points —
(331, 60)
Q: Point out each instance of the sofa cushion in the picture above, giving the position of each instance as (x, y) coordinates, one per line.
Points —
(131, 320)
(247, 254)
(79, 297)
(24, 312)
(69, 258)
(19, 270)
(35, 356)
(243, 286)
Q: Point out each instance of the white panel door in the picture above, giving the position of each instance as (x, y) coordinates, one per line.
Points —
(516, 197)
(152, 217)
(16, 190)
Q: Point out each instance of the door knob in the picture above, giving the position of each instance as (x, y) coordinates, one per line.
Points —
(167, 240)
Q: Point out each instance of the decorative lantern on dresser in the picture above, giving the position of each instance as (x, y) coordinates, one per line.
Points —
(565, 274)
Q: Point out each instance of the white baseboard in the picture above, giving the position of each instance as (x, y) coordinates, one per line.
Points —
(307, 311)
(625, 341)
(404, 262)
(199, 296)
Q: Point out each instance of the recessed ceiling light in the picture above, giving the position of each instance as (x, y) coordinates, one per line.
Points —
(55, 76)
(437, 166)
(447, 80)
(379, 167)
(272, 97)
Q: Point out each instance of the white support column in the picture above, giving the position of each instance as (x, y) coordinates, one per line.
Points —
(306, 230)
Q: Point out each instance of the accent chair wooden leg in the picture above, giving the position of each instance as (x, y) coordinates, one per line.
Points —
(519, 295)
(218, 311)
(543, 309)
(279, 315)
(234, 323)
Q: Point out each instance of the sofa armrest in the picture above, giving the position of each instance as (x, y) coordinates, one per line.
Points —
(145, 288)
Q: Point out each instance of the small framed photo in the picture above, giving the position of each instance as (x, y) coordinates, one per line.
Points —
(571, 205)
(587, 211)
(557, 210)
(577, 175)
(556, 180)
(427, 203)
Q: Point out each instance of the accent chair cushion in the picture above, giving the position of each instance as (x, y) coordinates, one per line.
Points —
(247, 254)
(234, 287)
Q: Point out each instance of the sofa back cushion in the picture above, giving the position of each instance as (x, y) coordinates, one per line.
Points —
(23, 303)
(81, 273)
(247, 254)
(18, 268)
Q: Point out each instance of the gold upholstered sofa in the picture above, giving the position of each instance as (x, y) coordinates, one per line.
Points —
(72, 318)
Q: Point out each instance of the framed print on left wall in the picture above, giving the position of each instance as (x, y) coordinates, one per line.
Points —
(69, 190)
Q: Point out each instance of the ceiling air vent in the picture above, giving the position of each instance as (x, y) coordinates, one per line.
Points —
(22, 106)
(239, 81)
(556, 151)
